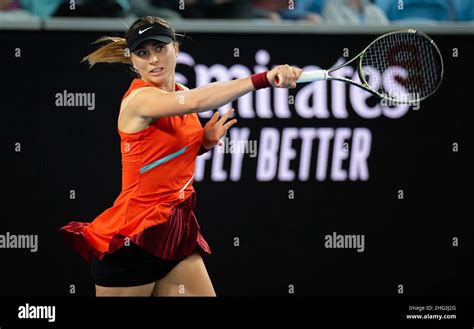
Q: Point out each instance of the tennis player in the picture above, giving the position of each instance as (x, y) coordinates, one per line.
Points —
(149, 242)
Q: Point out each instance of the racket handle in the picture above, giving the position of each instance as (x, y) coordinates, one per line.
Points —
(311, 76)
(308, 76)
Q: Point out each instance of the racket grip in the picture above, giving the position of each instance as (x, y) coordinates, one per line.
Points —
(311, 76)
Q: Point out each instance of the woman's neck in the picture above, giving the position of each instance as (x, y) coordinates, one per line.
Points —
(168, 86)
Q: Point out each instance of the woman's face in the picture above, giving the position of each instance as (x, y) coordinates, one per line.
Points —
(156, 62)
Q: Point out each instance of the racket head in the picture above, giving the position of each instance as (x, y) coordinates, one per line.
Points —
(403, 67)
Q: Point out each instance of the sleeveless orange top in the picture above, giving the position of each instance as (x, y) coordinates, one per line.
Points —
(157, 175)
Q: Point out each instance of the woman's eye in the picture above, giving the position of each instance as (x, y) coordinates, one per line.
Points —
(159, 48)
(141, 53)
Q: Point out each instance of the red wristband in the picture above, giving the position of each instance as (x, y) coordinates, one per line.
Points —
(260, 80)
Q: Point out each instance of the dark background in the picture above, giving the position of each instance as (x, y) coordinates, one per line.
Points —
(407, 241)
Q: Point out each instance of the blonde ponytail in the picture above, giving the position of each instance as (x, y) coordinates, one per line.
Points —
(115, 51)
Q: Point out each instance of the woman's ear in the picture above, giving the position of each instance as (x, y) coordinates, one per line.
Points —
(176, 49)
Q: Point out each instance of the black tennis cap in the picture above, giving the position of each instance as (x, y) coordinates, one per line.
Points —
(148, 32)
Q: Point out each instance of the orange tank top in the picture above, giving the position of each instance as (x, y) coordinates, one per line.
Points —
(157, 174)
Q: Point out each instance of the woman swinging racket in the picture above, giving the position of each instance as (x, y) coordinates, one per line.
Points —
(149, 242)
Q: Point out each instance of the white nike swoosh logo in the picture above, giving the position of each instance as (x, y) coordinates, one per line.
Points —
(141, 31)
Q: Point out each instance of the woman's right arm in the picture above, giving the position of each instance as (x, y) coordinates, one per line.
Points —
(156, 103)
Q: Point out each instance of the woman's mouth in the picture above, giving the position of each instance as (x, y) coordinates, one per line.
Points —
(156, 71)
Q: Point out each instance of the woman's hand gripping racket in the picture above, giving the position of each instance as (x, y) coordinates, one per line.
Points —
(403, 67)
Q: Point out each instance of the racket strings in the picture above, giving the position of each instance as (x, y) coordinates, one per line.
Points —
(408, 65)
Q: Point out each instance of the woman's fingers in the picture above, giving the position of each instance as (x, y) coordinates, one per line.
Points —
(288, 76)
(219, 129)
(226, 116)
(297, 72)
(213, 119)
(229, 124)
(284, 76)
(292, 76)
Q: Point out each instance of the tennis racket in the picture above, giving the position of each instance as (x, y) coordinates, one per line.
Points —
(403, 67)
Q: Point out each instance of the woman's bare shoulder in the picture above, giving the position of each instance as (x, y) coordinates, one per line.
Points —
(134, 93)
